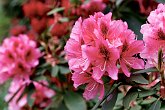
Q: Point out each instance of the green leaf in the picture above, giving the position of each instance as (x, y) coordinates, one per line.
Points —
(134, 22)
(156, 105)
(160, 1)
(74, 101)
(64, 19)
(57, 100)
(148, 101)
(110, 101)
(30, 90)
(40, 78)
(64, 70)
(153, 69)
(139, 79)
(56, 10)
(137, 107)
(62, 106)
(55, 71)
(131, 95)
(146, 93)
(162, 107)
(118, 2)
(75, 1)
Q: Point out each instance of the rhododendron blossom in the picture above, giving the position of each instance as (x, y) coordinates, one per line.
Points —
(42, 95)
(96, 46)
(18, 56)
(154, 36)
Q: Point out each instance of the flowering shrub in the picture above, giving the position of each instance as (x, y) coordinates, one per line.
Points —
(101, 47)
(83, 55)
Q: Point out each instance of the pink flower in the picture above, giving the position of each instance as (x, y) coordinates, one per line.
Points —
(15, 91)
(73, 48)
(42, 95)
(95, 47)
(154, 35)
(103, 58)
(18, 56)
(157, 15)
(93, 88)
(127, 51)
(147, 6)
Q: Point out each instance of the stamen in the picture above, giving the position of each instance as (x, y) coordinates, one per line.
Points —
(127, 62)
(102, 69)
(94, 86)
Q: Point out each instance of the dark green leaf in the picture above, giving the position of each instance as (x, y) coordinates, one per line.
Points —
(40, 78)
(54, 71)
(75, 1)
(139, 79)
(148, 101)
(156, 105)
(74, 101)
(131, 95)
(30, 90)
(153, 69)
(133, 22)
(110, 101)
(147, 93)
(57, 100)
(162, 107)
(62, 106)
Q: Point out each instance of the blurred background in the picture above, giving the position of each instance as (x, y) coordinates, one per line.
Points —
(34, 18)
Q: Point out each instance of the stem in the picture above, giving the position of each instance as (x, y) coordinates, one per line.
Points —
(105, 97)
(54, 89)
(15, 94)
(162, 78)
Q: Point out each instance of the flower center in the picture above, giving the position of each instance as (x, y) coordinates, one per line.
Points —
(104, 52)
(125, 47)
(104, 29)
(161, 34)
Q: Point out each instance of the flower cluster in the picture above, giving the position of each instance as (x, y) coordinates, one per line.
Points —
(41, 95)
(18, 57)
(59, 49)
(99, 46)
(154, 38)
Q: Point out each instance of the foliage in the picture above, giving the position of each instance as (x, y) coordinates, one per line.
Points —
(49, 84)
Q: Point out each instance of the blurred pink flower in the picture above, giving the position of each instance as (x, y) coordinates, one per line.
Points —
(146, 6)
(15, 91)
(18, 56)
(42, 95)
(93, 6)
